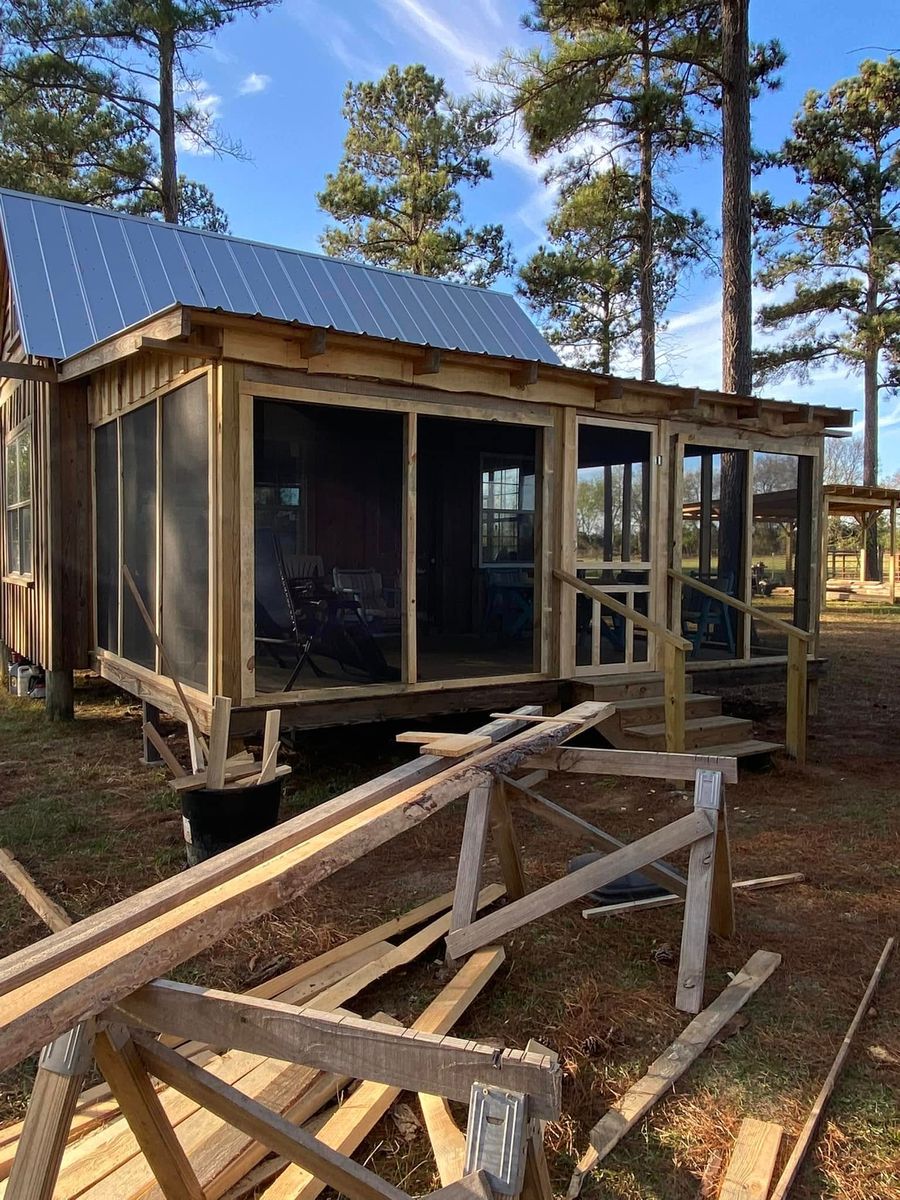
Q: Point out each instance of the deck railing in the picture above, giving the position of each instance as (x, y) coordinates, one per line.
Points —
(674, 647)
(798, 640)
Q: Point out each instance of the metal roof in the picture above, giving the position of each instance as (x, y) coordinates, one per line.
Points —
(80, 275)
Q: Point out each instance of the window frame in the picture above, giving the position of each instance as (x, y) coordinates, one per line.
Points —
(503, 461)
(22, 430)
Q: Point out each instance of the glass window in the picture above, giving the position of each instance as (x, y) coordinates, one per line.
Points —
(507, 510)
(18, 503)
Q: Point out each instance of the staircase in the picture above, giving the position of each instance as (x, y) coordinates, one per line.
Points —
(639, 719)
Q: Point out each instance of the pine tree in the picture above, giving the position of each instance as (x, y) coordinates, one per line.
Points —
(134, 58)
(837, 249)
(587, 281)
(409, 149)
(629, 76)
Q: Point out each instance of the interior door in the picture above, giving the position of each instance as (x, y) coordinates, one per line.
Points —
(614, 503)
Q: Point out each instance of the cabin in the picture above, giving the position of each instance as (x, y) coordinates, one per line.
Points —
(358, 494)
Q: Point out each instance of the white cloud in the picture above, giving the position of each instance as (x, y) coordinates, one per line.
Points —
(254, 83)
(340, 36)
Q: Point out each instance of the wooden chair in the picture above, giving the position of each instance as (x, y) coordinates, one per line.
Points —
(703, 617)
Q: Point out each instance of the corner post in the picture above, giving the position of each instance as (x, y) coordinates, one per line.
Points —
(228, 581)
(795, 736)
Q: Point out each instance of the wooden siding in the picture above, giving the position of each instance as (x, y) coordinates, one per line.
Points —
(121, 385)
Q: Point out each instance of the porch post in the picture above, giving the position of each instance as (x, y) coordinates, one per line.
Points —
(227, 581)
(892, 565)
(410, 662)
(567, 446)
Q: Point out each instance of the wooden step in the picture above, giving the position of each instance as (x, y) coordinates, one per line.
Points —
(651, 709)
(751, 748)
(620, 687)
(705, 731)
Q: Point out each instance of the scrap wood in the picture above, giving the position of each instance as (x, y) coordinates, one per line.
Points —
(34, 961)
(240, 773)
(87, 983)
(671, 1065)
(359, 1114)
(752, 1162)
(808, 1132)
(48, 910)
(739, 885)
(152, 734)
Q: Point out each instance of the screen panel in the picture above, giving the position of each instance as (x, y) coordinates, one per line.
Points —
(106, 480)
(185, 532)
(138, 429)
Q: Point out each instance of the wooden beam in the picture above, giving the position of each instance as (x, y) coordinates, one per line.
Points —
(119, 919)
(808, 1132)
(506, 842)
(698, 898)
(359, 1114)
(659, 872)
(182, 348)
(334, 1169)
(646, 764)
(48, 910)
(176, 323)
(125, 1072)
(661, 842)
(428, 362)
(634, 1105)
(27, 371)
(314, 343)
(341, 1044)
(471, 857)
(524, 376)
(752, 1162)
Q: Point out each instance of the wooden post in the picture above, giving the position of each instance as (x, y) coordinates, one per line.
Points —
(60, 694)
(151, 757)
(566, 548)
(124, 1070)
(471, 857)
(409, 629)
(57, 1086)
(674, 663)
(504, 834)
(892, 565)
(698, 900)
(795, 736)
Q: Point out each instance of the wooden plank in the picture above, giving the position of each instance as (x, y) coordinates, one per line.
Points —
(270, 745)
(156, 739)
(645, 764)
(795, 731)
(342, 1044)
(239, 773)
(503, 832)
(118, 919)
(218, 743)
(21, 370)
(739, 885)
(48, 910)
(448, 1142)
(127, 1077)
(659, 872)
(752, 1162)
(474, 1186)
(471, 857)
(721, 912)
(175, 323)
(808, 1132)
(698, 898)
(674, 695)
(456, 745)
(547, 899)
(332, 1168)
(367, 1105)
(634, 1105)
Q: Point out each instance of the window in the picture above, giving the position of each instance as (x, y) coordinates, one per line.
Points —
(18, 502)
(507, 510)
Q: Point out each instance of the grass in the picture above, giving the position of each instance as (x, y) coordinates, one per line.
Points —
(93, 825)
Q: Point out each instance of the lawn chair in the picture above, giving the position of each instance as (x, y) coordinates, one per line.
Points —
(366, 586)
(704, 618)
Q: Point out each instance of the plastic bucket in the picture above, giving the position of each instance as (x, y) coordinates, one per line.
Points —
(217, 820)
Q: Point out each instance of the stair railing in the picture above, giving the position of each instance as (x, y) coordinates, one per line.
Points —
(798, 640)
(675, 650)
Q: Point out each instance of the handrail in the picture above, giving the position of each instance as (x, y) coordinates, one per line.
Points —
(624, 610)
(759, 613)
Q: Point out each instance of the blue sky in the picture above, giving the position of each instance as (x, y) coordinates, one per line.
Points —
(276, 84)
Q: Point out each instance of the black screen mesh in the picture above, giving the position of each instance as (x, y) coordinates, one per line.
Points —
(139, 528)
(106, 473)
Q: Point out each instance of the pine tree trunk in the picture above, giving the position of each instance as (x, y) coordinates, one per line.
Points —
(737, 312)
(167, 153)
(645, 204)
(870, 456)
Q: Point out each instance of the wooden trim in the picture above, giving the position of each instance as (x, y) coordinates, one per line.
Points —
(23, 581)
(341, 1043)
(174, 323)
(247, 548)
(373, 690)
(21, 370)
(227, 584)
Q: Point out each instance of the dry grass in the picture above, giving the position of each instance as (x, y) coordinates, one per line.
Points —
(91, 824)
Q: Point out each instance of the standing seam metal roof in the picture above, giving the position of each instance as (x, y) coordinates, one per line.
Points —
(81, 274)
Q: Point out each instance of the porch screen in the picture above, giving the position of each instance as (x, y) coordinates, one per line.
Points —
(185, 531)
(139, 528)
(106, 468)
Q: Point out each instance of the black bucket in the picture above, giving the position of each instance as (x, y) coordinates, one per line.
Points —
(217, 820)
(633, 886)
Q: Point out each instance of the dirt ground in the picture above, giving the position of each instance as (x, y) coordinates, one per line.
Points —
(93, 825)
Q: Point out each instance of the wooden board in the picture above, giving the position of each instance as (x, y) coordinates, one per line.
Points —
(739, 885)
(34, 961)
(752, 1162)
(456, 745)
(586, 879)
(368, 1104)
(82, 986)
(344, 1045)
(645, 764)
(672, 1064)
